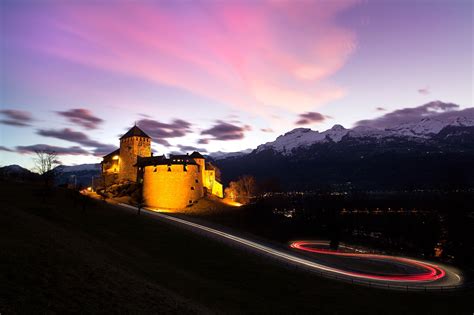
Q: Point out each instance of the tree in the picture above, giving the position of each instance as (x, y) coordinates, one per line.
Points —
(242, 190)
(45, 163)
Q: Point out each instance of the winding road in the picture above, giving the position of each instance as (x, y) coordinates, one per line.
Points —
(417, 274)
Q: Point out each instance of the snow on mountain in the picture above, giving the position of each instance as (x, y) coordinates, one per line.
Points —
(303, 137)
(428, 127)
(219, 155)
(79, 168)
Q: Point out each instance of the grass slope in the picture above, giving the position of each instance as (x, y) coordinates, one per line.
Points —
(57, 258)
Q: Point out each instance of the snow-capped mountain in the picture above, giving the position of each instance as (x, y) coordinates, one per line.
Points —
(425, 128)
(224, 155)
(79, 168)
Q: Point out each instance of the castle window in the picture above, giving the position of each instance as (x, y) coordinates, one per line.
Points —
(184, 168)
(155, 170)
(190, 201)
(197, 181)
(169, 169)
(192, 188)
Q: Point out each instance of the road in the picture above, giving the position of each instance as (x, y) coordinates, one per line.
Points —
(434, 275)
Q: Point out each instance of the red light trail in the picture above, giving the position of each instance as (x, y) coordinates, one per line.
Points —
(431, 272)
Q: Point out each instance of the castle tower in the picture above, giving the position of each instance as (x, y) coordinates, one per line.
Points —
(202, 165)
(132, 144)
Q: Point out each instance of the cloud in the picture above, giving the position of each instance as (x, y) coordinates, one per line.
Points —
(424, 91)
(203, 141)
(161, 131)
(266, 130)
(103, 149)
(16, 117)
(310, 117)
(99, 149)
(2, 148)
(249, 54)
(186, 148)
(225, 131)
(436, 109)
(74, 150)
(82, 117)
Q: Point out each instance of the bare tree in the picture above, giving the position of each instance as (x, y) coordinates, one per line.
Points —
(45, 163)
(242, 190)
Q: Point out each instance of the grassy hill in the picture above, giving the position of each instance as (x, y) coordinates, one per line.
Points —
(60, 257)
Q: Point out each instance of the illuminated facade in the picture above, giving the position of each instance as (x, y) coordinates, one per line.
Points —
(169, 183)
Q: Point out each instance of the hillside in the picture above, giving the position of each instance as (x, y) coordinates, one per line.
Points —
(59, 258)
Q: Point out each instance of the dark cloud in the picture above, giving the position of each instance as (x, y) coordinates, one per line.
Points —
(310, 117)
(2, 148)
(14, 117)
(161, 131)
(203, 141)
(163, 142)
(82, 117)
(380, 109)
(75, 150)
(424, 91)
(224, 131)
(434, 109)
(186, 148)
(103, 149)
(266, 130)
(99, 149)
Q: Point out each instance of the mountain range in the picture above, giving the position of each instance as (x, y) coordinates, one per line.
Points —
(426, 153)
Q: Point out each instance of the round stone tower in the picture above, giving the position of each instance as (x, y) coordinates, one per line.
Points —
(132, 144)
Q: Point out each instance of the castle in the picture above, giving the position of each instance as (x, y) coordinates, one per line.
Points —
(168, 183)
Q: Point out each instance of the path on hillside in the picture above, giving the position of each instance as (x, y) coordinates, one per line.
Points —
(450, 278)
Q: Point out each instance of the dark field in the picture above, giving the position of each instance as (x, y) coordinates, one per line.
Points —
(58, 257)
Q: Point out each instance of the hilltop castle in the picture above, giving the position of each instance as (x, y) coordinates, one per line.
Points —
(171, 183)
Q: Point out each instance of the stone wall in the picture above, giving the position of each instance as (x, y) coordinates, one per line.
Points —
(171, 187)
(130, 148)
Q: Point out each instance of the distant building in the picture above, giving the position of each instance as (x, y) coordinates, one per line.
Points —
(171, 183)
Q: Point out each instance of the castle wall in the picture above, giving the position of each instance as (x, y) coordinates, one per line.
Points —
(130, 148)
(217, 189)
(202, 167)
(174, 189)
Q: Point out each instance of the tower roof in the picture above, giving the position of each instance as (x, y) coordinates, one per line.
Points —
(196, 155)
(135, 132)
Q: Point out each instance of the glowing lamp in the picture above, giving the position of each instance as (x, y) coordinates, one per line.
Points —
(116, 157)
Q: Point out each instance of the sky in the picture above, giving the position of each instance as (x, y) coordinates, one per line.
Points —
(219, 75)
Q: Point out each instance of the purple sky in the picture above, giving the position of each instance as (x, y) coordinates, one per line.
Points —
(219, 75)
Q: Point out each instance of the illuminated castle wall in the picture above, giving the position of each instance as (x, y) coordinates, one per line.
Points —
(170, 183)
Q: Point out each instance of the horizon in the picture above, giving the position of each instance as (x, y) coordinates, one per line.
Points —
(221, 76)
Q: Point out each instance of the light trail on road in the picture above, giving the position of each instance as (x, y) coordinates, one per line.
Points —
(287, 257)
(432, 272)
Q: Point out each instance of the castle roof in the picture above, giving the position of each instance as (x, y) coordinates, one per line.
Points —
(196, 155)
(162, 160)
(134, 132)
(111, 154)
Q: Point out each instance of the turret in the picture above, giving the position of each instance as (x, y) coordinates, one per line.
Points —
(132, 144)
(202, 164)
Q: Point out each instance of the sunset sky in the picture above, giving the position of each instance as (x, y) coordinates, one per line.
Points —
(218, 75)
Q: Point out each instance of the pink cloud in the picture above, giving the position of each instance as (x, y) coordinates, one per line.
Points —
(251, 55)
